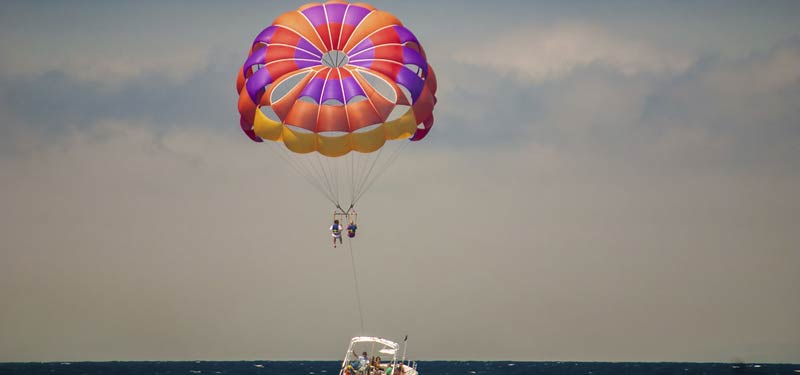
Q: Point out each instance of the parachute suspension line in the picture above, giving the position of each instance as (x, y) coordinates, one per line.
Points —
(358, 173)
(352, 177)
(355, 282)
(334, 171)
(354, 162)
(317, 176)
(313, 161)
(326, 165)
(315, 180)
(313, 173)
(324, 175)
(301, 170)
(335, 177)
(382, 169)
(365, 176)
(327, 179)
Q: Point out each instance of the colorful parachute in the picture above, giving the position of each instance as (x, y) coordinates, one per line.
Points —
(332, 78)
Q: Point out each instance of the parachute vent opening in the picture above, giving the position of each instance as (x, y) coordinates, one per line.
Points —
(397, 112)
(284, 86)
(333, 134)
(380, 85)
(335, 59)
(416, 69)
(406, 93)
(356, 99)
(367, 128)
(298, 129)
(258, 48)
(269, 113)
(333, 102)
(307, 99)
(255, 67)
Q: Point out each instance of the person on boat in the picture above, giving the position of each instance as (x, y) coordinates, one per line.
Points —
(363, 360)
(351, 229)
(354, 366)
(336, 232)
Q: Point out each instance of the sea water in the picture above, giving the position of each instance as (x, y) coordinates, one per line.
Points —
(424, 368)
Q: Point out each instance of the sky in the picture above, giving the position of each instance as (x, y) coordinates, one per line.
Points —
(605, 181)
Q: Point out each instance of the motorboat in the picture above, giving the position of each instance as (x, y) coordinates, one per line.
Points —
(376, 356)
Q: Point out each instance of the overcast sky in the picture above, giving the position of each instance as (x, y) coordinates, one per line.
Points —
(605, 181)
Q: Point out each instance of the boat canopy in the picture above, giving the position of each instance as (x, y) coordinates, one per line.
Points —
(390, 344)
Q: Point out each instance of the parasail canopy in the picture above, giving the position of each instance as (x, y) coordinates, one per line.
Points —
(332, 74)
(329, 79)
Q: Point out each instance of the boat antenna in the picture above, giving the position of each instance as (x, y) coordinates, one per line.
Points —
(405, 346)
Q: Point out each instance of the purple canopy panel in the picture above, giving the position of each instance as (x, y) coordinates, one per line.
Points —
(316, 15)
(405, 35)
(265, 35)
(364, 44)
(333, 90)
(355, 14)
(410, 80)
(258, 57)
(257, 82)
(351, 88)
(314, 88)
(306, 45)
(300, 54)
(410, 56)
(335, 12)
(302, 64)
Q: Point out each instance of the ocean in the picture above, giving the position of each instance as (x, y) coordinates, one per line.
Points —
(424, 368)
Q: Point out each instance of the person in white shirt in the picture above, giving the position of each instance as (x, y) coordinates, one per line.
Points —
(336, 232)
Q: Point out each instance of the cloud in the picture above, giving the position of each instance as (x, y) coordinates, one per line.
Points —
(760, 73)
(541, 54)
(738, 113)
(109, 59)
(731, 113)
(718, 111)
(55, 101)
(110, 44)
